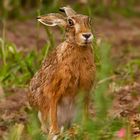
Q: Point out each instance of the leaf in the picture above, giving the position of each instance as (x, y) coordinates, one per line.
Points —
(16, 132)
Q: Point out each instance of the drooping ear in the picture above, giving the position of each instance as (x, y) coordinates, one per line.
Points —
(68, 11)
(52, 19)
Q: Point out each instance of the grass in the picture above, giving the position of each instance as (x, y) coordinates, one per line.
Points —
(24, 66)
(15, 8)
(17, 64)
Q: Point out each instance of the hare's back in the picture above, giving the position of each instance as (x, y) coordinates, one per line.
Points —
(41, 78)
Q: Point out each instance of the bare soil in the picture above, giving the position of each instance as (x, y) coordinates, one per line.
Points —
(120, 32)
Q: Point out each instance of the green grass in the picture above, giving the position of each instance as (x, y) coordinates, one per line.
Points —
(15, 8)
(20, 67)
(17, 68)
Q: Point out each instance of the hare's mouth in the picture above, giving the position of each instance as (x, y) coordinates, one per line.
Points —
(87, 42)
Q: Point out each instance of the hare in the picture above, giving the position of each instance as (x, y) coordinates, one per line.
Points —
(68, 68)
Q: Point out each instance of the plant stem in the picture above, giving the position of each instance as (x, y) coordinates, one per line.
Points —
(3, 42)
(38, 25)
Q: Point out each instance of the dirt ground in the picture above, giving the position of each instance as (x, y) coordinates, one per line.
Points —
(120, 32)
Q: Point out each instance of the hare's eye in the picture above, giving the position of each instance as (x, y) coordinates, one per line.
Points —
(70, 22)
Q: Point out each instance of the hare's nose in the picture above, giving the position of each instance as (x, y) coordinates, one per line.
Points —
(87, 35)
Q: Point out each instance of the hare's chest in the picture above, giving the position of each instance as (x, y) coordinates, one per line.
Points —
(86, 73)
(80, 67)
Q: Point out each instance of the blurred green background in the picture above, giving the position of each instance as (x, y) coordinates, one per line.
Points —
(24, 43)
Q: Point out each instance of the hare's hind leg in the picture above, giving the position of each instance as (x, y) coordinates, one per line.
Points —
(43, 120)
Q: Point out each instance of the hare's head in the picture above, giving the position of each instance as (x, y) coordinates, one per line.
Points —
(77, 26)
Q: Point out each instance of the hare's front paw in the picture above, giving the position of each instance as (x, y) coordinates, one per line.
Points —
(54, 130)
(53, 137)
(53, 133)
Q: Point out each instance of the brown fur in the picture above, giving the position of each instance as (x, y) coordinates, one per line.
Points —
(68, 68)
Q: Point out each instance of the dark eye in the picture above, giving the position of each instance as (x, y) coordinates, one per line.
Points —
(70, 22)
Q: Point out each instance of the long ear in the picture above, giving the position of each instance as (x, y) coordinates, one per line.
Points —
(52, 19)
(68, 11)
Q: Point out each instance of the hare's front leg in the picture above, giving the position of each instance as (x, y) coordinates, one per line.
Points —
(53, 116)
(61, 81)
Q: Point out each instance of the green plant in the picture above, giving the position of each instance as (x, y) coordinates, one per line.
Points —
(102, 126)
(15, 132)
(19, 68)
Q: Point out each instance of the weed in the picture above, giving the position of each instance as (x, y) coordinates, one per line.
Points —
(17, 69)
